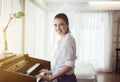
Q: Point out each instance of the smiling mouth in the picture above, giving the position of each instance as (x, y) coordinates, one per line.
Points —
(58, 31)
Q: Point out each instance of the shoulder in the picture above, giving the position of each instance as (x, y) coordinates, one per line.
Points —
(69, 37)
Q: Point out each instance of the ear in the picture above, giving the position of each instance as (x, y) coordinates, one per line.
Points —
(68, 28)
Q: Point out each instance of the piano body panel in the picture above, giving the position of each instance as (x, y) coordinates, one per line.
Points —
(7, 73)
(3, 59)
(1, 76)
(6, 76)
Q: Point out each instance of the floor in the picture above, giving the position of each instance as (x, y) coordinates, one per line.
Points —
(107, 77)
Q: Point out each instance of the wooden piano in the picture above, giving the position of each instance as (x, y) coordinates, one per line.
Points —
(21, 68)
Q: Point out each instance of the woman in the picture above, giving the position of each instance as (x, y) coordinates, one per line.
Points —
(65, 53)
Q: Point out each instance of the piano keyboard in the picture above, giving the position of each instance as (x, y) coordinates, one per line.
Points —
(16, 68)
(32, 68)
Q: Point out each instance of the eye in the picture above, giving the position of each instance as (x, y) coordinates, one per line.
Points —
(55, 25)
(61, 24)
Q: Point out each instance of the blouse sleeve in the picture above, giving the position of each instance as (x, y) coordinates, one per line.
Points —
(70, 52)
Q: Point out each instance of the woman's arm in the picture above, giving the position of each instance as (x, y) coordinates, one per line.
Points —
(64, 70)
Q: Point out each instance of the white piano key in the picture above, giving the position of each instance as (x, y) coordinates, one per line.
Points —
(33, 68)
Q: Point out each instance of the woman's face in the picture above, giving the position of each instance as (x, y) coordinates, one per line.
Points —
(60, 26)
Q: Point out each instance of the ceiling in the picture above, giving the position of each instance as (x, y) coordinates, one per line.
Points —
(73, 1)
(73, 4)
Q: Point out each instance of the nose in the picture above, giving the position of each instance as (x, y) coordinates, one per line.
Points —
(58, 28)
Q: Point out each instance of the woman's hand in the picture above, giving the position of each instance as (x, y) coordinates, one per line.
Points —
(45, 71)
(46, 78)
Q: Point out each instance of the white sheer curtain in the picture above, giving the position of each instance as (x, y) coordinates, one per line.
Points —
(94, 39)
(14, 30)
(91, 29)
(34, 30)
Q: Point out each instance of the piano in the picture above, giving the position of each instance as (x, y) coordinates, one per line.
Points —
(21, 68)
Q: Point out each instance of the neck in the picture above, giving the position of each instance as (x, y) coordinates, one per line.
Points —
(64, 34)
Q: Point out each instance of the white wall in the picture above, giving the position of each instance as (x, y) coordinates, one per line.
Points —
(114, 32)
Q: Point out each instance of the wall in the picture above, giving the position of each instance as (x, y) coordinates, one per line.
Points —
(116, 15)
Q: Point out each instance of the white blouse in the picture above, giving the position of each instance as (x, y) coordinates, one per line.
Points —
(65, 54)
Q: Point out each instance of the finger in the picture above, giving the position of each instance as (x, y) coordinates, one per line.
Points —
(37, 75)
(43, 70)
